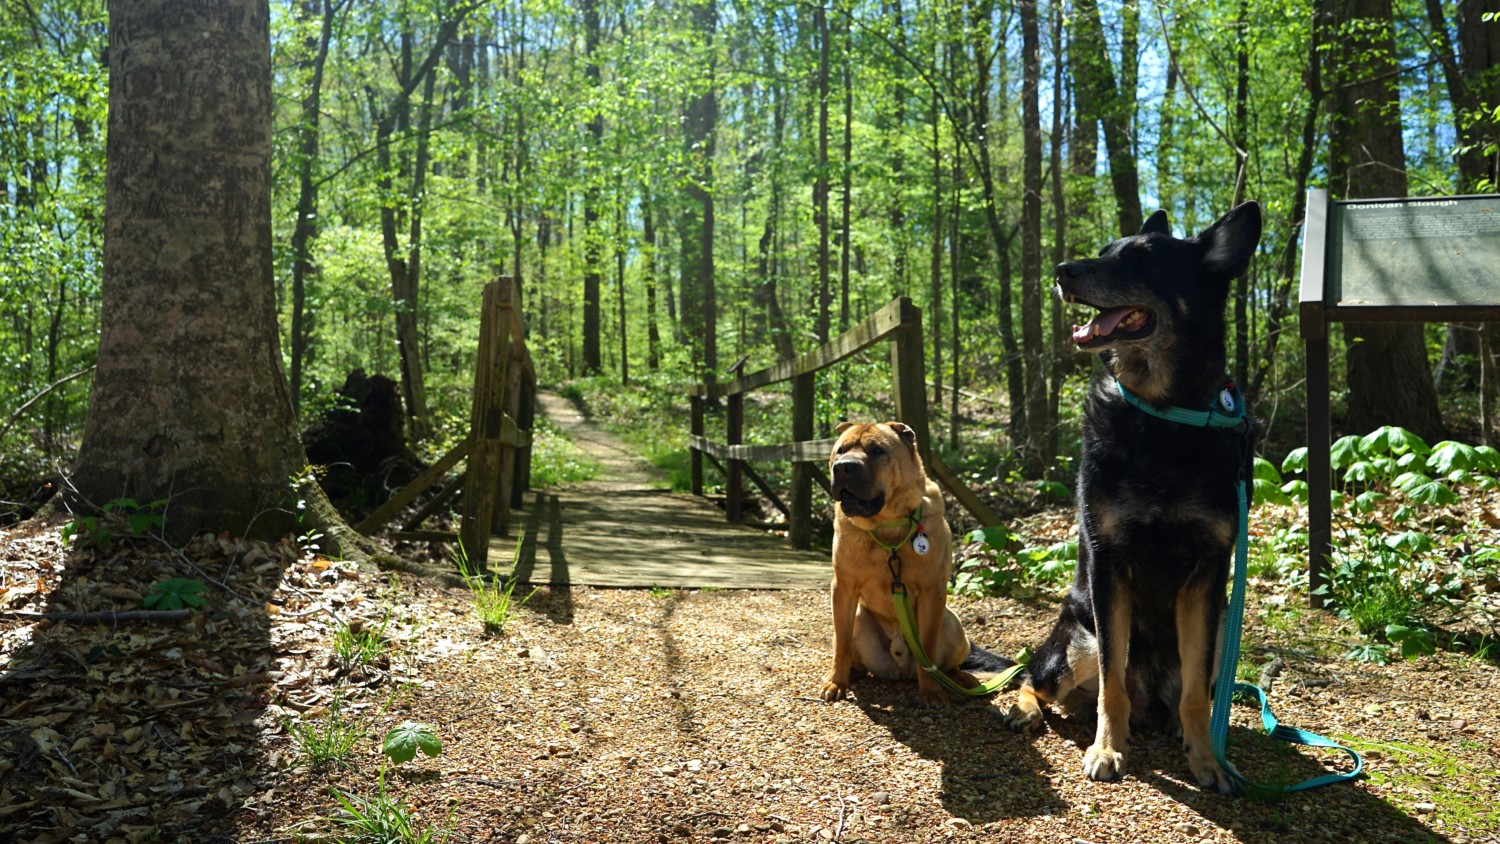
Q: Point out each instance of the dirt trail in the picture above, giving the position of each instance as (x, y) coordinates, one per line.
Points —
(621, 468)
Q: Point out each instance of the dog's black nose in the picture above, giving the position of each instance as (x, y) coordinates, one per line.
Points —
(848, 471)
(1068, 269)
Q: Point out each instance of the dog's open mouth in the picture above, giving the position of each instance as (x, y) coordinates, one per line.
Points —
(855, 506)
(1131, 322)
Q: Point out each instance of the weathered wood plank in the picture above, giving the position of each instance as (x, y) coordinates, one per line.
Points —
(961, 492)
(487, 421)
(407, 494)
(649, 538)
(812, 451)
(858, 338)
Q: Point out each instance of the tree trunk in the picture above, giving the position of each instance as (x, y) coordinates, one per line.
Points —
(594, 126)
(1035, 455)
(1389, 380)
(1241, 141)
(846, 196)
(648, 280)
(898, 163)
(190, 404)
(698, 238)
(1098, 98)
(305, 228)
(935, 311)
(820, 179)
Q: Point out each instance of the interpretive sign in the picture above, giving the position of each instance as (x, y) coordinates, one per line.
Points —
(1433, 259)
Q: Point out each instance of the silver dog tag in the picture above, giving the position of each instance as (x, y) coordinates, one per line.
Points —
(919, 543)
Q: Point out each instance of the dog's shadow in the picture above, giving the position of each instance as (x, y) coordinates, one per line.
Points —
(988, 772)
(1341, 811)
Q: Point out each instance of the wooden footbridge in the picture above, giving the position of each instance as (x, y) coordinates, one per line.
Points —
(623, 529)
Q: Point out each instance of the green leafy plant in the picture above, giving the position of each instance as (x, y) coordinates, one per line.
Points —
(356, 644)
(327, 740)
(494, 596)
(556, 461)
(383, 818)
(122, 515)
(1007, 565)
(174, 594)
(404, 741)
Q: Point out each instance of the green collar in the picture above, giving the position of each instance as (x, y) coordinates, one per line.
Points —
(913, 522)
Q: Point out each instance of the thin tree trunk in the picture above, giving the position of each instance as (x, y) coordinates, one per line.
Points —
(594, 126)
(1099, 97)
(648, 280)
(305, 228)
(1035, 454)
(1241, 141)
(935, 318)
(1387, 372)
(820, 179)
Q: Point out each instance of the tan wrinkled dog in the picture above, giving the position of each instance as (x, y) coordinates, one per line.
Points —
(879, 484)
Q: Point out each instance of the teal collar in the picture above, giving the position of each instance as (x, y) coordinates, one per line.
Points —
(1228, 411)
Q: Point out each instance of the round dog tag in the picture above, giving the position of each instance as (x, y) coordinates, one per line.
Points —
(1226, 399)
(919, 543)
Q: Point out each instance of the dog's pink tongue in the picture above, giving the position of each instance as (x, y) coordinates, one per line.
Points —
(1101, 325)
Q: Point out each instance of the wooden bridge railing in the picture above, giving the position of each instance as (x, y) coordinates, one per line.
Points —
(900, 323)
(498, 446)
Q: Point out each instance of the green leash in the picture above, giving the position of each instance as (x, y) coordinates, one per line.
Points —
(1231, 415)
(909, 623)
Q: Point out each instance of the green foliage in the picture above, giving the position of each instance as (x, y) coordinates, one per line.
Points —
(329, 739)
(381, 818)
(494, 596)
(556, 461)
(175, 593)
(403, 741)
(1006, 565)
(358, 645)
(122, 515)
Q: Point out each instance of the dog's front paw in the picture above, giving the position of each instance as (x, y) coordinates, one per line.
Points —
(1209, 775)
(1024, 717)
(932, 695)
(833, 691)
(1102, 763)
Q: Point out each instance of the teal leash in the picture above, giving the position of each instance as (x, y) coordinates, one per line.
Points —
(1231, 415)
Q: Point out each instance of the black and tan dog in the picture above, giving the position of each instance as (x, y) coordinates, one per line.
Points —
(1158, 512)
(885, 505)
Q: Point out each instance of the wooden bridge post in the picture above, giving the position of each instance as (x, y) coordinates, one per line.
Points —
(514, 352)
(695, 457)
(799, 522)
(526, 420)
(909, 374)
(734, 499)
(486, 420)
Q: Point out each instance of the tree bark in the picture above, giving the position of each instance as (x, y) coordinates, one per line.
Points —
(1099, 98)
(594, 126)
(1035, 455)
(698, 236)
(305, 228)
(820, 180)
(1387, 374)
(190, 404)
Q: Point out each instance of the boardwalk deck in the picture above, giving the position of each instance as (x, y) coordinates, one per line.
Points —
(620, 530)
(643, 538)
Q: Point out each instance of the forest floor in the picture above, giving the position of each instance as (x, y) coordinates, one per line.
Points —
(615, 715)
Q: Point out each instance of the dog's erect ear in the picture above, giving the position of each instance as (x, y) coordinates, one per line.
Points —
(1232, 240)
(1157, 224)
(905, 432)
(843, 426)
